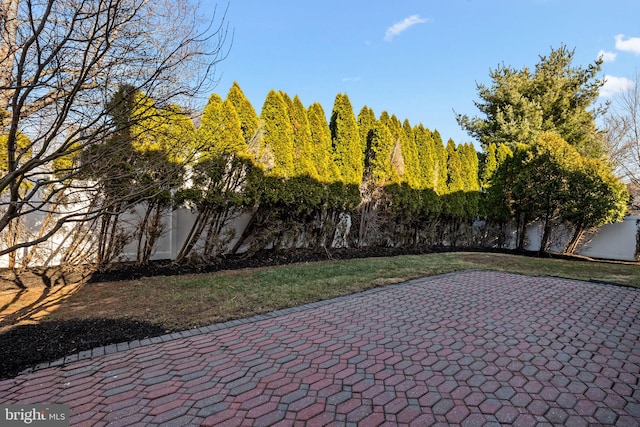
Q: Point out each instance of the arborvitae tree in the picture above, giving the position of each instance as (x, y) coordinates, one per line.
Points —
(246, 113)
(220, 131)
(366, 125)
(556, 96)
(321, 144)
(380, 156)
(440, 174)
(278, 135)
(410, 153)
(398, 145)
(345, 138)
(287, 100)
(469, 160)
(425, 148)
(302, 143)
(455, 182)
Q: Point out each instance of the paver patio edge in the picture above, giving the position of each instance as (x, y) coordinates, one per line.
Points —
(127, 345)
(171, 336)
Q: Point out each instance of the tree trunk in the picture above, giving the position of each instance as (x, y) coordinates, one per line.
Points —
(546, 231)
(193, 236)
(246, 232)
(8, 32)
(575, 240)
(143, 233)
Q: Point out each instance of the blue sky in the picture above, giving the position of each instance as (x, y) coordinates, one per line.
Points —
(417, 59)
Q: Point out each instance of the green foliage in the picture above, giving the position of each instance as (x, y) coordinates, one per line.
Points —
(212, 185)
(455, 183)
(497, 171)
(410, 154)
(379, 156)
(599, 197)
(278, 135)
(302, 142)
(426, 154)
(521, 104)
(551, 182)
(246, 113)
(23, 150)
(148, 145)
(470, 174)
(366, 125)
(489, 166)
(441, 173)
(220, 132)
(345, 139)
(321, 145)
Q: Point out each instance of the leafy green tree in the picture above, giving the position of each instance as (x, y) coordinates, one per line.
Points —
(345, 138)
(550, 182)
(556, 96)
(278, 135)
(599, 198)
(217, 179)
(246, 113)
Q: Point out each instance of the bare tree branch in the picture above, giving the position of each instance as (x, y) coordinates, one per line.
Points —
(61, 62)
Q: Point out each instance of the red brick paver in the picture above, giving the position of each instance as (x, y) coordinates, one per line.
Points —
(469, 348)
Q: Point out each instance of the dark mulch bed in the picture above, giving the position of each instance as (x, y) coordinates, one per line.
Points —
(26, 346)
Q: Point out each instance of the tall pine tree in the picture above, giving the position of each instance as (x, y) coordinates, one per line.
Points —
(556, 96)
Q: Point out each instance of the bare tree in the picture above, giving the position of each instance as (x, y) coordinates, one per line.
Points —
(622, 125)
(61, 62)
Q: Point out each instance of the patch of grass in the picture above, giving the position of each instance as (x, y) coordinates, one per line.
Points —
(180, 302)
(622, 273)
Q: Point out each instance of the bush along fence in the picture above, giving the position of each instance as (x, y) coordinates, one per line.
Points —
(197, 236)
(161, 187)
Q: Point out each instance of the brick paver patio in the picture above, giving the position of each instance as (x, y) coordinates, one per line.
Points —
(470, 348)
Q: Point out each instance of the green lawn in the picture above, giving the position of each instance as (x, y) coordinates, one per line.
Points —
(180, 302)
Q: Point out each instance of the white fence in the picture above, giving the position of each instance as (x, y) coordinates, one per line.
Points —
(619, 241)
